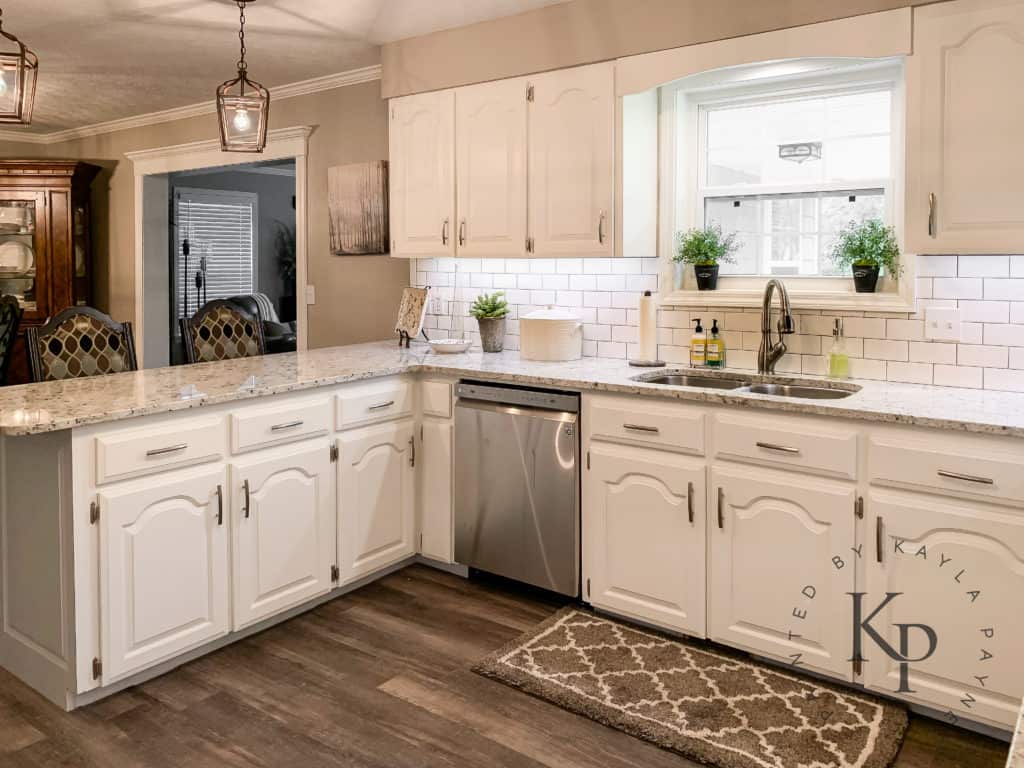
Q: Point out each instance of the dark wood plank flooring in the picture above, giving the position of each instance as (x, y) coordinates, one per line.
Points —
(379, 677)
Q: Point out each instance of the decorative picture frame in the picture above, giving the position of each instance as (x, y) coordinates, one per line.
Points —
(357, 209)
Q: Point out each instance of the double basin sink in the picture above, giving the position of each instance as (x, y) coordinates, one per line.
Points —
(740, 385)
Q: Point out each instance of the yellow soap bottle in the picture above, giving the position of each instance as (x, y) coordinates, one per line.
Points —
(698, 347)
(715, 348)
(838, 360)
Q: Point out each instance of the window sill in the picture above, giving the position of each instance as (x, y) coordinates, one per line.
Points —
(799, 299)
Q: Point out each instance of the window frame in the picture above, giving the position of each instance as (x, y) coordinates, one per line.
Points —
(683, 114)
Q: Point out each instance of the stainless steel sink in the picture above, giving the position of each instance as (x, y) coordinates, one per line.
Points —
(693, 380)
(792, 390)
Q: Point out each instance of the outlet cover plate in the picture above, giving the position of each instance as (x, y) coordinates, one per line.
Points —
(942, 324)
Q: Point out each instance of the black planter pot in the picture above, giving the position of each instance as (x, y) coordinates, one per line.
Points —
(865, 279)
(707, 276)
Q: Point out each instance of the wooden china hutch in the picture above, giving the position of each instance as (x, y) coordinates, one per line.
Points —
(45, 242)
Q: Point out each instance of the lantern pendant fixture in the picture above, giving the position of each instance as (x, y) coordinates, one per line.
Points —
(18, 68)
(243, 105)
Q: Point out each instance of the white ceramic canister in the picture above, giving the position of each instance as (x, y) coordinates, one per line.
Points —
(550, 334)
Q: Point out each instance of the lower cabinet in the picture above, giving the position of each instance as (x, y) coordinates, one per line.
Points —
(958, 569)
(435, 489)
(164, 584)
(782, 567)
(643, 535)
(284, 529)
(376, 498)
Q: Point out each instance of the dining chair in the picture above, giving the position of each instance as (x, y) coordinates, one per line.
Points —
(80, 342)
(10, 318)
(222, 330)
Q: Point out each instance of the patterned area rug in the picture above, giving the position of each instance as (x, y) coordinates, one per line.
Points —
(706, 705)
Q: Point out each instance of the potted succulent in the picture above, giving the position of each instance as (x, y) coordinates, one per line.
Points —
(705, 249)
(490, 311)
(867, 247)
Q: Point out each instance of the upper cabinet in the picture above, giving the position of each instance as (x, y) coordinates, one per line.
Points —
(522, 167)
(964, 117)
(422, 175)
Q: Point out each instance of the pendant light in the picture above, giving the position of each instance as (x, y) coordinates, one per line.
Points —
(243, 105)
(18, 68)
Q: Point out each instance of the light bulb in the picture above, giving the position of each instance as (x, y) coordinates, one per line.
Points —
(3, 83)
(241, 120)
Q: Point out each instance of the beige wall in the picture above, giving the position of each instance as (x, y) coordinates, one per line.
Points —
(584, 31)
(357, 297)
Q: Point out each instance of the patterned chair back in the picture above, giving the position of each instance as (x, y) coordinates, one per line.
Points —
(79, 342)
(10, 317)
(221, 330)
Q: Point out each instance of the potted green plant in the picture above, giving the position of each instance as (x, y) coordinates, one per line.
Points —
(705, 249)
(867, 248)
(490, 311)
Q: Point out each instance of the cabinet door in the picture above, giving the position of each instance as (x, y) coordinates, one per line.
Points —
(572, 162)
(775, 588)
(26, 268)
(376, 506)
(643, 534)
(164, 571)
(283, 525)
(963, 129)
(422, 175)
(490, 122)
(435, 490)
(958, 568)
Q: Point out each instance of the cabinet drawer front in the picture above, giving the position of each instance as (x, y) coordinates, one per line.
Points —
(803, 445)
(376, 401)
(957, 468)
(136, 452)
(284, 423)
(636, 421)
(437, 398)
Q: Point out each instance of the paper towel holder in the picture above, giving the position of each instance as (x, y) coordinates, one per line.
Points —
(647, 363)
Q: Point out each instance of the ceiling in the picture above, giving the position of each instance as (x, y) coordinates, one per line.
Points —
(104, 60)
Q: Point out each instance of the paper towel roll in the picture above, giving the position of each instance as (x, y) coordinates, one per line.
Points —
(648, 331)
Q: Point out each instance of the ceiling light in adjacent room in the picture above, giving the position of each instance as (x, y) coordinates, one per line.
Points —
(18, 68)
(243, 105)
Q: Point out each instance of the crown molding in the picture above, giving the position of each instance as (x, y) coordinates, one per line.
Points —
(274, 137)
(302, 88)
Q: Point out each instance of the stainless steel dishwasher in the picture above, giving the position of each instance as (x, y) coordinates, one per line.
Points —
(517, 499)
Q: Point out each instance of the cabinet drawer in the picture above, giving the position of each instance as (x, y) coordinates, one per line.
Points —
(437, 398)
(801, 444)
(132, 453)
(374, 401)
(955, 467)
(284, 423)
(638, 421)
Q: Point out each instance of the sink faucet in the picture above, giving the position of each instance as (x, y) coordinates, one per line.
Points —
(768, 354)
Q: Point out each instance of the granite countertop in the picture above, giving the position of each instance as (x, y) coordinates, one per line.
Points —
(36, 408)
(1017, 749)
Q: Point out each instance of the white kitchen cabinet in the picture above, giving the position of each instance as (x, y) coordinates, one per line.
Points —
(376, 501)
(775, 589)
(283, 522)
(422, 175)
(644, 535)
(572, 162)
(959, 569)
(490, 126)
(964, 116)
(164, 575)
(435, 489)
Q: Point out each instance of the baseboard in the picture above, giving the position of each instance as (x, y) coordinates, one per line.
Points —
(439, 565)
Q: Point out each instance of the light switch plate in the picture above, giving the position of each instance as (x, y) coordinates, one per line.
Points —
(942, 324)
(310, 294)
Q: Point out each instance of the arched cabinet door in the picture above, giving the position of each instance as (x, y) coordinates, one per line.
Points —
(958, 567)
(777, 588)
(643, 531)
(164, 572)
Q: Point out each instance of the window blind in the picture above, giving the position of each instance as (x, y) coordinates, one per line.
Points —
(220, 230)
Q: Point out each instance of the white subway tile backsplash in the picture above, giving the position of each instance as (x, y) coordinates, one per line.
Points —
(985, 311)
(911, 330)
(611, 316)
(928, 352)
(1017, 266)
(555, 282)
(958, 288)
(937, 266)
(1004, 290)
(1004, 379)
(910, 373)
(583, 282)
(981, 356)
(958, 376)
(884, 349)
(611, 282)
(1017, 357)
(1004, 335)
(983, 266)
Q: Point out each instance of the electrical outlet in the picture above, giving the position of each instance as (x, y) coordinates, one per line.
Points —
(310, 294)
(942, 324)
(436, 305)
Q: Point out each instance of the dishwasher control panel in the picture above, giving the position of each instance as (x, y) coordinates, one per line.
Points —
(527, 398)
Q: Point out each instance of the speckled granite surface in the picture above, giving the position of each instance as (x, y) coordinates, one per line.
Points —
(1017, 750)
(47, 407)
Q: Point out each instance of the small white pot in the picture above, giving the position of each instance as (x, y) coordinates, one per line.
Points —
(550, 334)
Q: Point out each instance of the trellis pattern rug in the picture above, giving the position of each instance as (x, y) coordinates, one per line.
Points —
(708, 706)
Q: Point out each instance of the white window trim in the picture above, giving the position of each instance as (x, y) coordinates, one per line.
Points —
(807, 292)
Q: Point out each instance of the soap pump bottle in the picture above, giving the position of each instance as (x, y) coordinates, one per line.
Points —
(838, 360)
(715, 348)
(698, 347)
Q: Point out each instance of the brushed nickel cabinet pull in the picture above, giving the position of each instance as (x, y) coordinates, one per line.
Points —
(779, 448)
(378, 406)
(641, 428)
(689, 501)
(462, 232)
(600, 228)
(966, 478)
(879, 537)
(245, 492)
(721, 509)
(444, 233)
(412, 448)
(220, 505)
(165, 451)
(931, 214)
(287, 425)
(858, 508)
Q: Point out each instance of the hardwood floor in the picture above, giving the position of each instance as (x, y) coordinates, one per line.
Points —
(379, 677)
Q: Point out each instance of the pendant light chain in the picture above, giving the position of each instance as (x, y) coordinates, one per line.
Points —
(241, 35)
